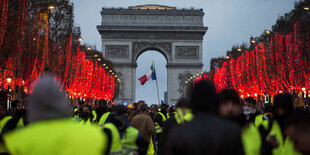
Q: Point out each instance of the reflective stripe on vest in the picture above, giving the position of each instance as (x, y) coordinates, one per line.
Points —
(129, 140)
(94, 114)
(116, 146)
(103, 118)
(158, 128)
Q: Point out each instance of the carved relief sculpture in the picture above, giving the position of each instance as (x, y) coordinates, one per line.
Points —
(186, 52)
(117, 51)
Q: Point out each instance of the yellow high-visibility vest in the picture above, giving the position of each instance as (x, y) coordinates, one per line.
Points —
(3, 121)
(251, 140)
(158, 128)
(129, 141)
(288, 148)
(116, 145)
(103, 119)
(61, 137)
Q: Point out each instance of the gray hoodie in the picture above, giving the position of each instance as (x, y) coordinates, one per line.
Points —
(47, 101)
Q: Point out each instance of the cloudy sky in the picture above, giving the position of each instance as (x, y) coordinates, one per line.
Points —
(229, 21)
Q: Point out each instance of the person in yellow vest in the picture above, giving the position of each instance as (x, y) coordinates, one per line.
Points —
(275, 127)
(4, 118)
(77, 110)
(265, 116)
(182, 116)
(160, 120)
(19, 116)
(230, 107)
(122, 138)
(51, 131)
(130, 112)
(86, 116)
(172, 112)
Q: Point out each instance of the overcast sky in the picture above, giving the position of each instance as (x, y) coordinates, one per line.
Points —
(230, 22)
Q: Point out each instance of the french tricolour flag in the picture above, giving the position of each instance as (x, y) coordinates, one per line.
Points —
(150, 75)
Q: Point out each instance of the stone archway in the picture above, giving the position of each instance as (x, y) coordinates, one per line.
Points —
(176, 33)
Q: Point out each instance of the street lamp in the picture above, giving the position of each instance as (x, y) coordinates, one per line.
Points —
(9, 80)
(80, 39)
(253, 41)
(88, 49)
(51, 7)
(99, 59)
(306, 8)
(227, 57)
(267, 32)
(239, 50)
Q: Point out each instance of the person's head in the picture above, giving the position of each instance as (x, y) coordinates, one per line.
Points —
(16, 105)
(81, 103)
(47, 101)
(250, 102)
(298, 130)
(130, 108)
(154, 108)
(85, 112)
(172, 109)
(143, 107)
(203, 97)
(118, 117)
(283, 105)
(229, 103)
(183, 103)
(139, 104)
(86, 108)
(103, 103)
(164, 108)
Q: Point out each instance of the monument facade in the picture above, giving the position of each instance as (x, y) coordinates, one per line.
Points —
(176, 33)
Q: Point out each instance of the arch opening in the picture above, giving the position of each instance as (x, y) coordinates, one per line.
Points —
(148, 91)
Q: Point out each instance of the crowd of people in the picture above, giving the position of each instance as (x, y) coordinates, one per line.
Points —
(206, 122)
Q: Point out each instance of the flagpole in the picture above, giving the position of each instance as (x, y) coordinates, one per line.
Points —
(156, 85)
(157, 91)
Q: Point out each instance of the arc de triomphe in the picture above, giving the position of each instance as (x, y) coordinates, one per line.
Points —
(176, 33)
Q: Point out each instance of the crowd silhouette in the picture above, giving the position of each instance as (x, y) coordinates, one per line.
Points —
(205, 123)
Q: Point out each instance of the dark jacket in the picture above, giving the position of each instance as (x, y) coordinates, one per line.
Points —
(206, 134)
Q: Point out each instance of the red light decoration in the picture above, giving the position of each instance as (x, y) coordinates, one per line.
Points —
(282, 65)
(80, 76)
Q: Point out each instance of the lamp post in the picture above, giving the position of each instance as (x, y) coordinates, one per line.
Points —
(9, 81)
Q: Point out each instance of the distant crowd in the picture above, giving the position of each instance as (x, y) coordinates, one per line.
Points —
(205, 123)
